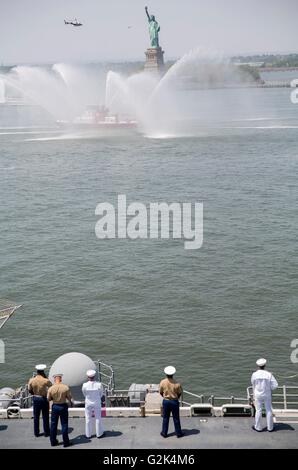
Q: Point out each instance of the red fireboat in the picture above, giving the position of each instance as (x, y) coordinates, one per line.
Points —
(99, 117)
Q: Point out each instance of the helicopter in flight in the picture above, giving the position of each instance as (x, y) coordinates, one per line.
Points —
(73, 23)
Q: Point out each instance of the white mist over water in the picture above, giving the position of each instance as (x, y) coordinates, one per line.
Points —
(160, 105)
(62, 90)
(2, 91)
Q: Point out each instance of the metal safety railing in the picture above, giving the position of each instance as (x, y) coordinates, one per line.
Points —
(189, 398)
(210, 399)
(106, 376)
(285, 397)
(16, 400)
(7, 309)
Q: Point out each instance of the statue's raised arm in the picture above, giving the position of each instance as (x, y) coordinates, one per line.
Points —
(148, 16)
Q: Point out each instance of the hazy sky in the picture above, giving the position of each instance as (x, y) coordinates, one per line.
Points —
(33, 30)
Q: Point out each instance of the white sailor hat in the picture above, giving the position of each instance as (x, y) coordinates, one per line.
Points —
(40, 367)
(261, 362)
(57, 375)
(91, 373)
(169, 370)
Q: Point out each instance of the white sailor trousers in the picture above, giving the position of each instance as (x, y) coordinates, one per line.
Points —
(269, 416)
(93, 411)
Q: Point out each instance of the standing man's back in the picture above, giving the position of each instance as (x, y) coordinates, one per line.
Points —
(262, 381)
(170, 389)
(92, 391)
(60, 395)
(38, 387)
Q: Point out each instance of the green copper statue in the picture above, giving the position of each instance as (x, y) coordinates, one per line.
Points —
(154, 29)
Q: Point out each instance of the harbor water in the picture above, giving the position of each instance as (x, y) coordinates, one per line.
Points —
(143, 304)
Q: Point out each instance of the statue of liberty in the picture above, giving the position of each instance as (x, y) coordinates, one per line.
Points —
(154, 29)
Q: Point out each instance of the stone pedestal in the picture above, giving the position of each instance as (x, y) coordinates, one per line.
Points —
(154, 60)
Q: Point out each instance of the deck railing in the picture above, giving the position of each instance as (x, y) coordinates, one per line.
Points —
(284, 397)
(213, 400)
(106, 376)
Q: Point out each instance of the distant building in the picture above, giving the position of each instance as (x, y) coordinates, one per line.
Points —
(251, 64)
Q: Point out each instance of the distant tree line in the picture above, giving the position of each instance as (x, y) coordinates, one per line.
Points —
(250, 72)
(270, 60)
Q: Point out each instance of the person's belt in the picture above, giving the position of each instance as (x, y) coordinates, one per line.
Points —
(55, 403)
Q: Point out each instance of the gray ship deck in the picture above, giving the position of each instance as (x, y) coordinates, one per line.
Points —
(138, 433)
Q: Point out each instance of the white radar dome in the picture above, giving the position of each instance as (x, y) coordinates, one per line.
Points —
(74, 367)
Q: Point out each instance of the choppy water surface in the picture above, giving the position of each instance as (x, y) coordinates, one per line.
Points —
(143, 304)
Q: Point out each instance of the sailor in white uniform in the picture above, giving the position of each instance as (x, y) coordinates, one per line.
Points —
(93, 391)
(263, 382)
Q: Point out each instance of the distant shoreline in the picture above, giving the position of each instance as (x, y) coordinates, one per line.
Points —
(137, 64)
(277, 69)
